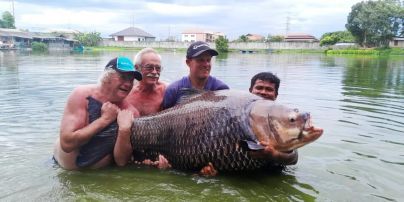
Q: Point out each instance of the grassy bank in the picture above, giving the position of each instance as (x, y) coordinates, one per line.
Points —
(386, 51)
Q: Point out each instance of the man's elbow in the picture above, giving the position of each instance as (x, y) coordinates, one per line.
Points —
(121, 162)
(66, 147)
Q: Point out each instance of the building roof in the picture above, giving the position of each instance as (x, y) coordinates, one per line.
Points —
(133, 31)
(300, 36)
(398, 38)
(15, 33)
(255, 37)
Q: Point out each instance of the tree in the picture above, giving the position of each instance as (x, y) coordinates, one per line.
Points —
(375, 23)
(88, 39)
(332, 38)
(275, 38)
(7, 20)
(243, 38)
(222, 44)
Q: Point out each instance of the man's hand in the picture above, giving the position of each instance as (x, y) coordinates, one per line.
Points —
(109, 112)
(125, 120)
(270, 153)
(208, 170)
(162, 163)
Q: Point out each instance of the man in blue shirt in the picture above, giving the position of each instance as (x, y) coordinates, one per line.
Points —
(199, 56)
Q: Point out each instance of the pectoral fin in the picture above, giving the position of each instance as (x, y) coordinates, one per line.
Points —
(250, 145)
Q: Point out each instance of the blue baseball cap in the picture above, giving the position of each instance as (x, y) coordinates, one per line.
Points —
(123, 64)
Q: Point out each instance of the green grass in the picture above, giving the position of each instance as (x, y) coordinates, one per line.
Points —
(377, 51)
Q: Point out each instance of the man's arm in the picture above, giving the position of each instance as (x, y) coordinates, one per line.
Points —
(278, 157)
(123, 146)
(74, 130)
(170, 98)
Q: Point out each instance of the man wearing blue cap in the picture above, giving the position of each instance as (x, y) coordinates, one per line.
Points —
(199, 56)
(91, 110)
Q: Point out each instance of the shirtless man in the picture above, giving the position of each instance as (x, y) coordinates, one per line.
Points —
(147, 95)
(78, 130)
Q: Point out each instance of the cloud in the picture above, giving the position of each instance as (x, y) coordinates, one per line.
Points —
(163, 18)
(181, 10)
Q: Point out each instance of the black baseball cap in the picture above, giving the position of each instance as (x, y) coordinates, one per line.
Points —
(199, 47)
(124, 64)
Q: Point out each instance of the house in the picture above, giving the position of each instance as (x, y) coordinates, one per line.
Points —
(54, 40)
(132, 34)
(255, 37)
(17, 39)
(397, 42)
(14, 38)
(301, 37)
(192, 35)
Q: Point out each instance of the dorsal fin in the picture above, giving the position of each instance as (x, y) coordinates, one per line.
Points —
(188, 93)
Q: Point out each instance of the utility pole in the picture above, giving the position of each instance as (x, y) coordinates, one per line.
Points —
(287, 25)
(12, 4)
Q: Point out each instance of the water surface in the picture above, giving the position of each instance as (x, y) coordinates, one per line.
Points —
(359, 101)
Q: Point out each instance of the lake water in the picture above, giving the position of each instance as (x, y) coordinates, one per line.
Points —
(359, 101)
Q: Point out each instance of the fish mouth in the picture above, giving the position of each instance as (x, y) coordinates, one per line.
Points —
(309, 132)
(306, 127)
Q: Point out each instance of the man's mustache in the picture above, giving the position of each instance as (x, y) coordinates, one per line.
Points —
(153, 75)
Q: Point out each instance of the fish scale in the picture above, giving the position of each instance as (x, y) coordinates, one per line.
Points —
(206, 129)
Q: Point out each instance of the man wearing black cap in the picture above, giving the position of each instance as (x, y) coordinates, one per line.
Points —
(199, 56)
(92, 109)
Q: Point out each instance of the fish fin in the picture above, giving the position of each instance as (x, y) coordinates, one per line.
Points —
(250, 145)
(187, 93)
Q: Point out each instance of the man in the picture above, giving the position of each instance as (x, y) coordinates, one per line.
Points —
(266, 85)
(80, 127)
(198, 59)
(147, 95)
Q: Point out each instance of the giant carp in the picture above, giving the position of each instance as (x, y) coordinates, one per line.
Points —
(221, 128)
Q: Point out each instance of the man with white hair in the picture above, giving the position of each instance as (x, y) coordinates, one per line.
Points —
(147, 95)
(91, 110)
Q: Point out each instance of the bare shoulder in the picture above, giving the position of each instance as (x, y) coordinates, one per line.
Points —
(162, 85)
(79, 94)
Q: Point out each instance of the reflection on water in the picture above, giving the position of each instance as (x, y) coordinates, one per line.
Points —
(357, 100)
(156, 185)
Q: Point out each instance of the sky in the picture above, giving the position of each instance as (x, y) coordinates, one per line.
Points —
(164, 19)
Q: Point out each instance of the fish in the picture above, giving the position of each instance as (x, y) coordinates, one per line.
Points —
(223, 128)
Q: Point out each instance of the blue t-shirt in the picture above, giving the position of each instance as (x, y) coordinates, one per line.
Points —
(172, 93)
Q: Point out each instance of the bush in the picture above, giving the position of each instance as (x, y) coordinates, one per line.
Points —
(354, 52)
(88, 39)
(39, 46)
(222, 44)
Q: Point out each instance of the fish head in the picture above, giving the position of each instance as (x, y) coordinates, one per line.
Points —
(284, 128)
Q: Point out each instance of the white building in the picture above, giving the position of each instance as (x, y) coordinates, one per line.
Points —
(193, 35)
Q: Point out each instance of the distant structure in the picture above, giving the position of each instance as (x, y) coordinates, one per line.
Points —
(255, 37)
(132, 34)
(397, 42)
(300, 37)
(21, 39)
(192, 35)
